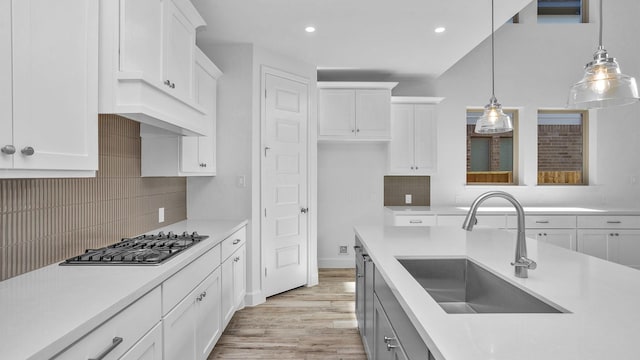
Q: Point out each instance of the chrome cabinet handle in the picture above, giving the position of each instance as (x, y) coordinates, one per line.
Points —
(542, 221)
(391, 347)
(236, 241)
(8, 149)
(357, 130)
(116, 341)
(614, 222)
(28, 151)
(173, 85)
(359, 275)
(167, 82)
(201, 296)
(304, 210)
(236, 259)
(388, 339)
(415, 221)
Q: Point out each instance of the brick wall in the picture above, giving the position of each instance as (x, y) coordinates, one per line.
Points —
(560, 148)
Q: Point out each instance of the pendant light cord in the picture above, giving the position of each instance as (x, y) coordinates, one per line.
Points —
(600, 33)
(493, 65)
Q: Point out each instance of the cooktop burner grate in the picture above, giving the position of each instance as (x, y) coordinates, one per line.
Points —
(150, 249)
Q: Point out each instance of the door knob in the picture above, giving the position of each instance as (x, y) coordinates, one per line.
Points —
(8, 149)
(28, 151)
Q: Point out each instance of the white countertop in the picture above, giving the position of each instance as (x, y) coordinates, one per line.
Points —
(45, 310)
(603, 298)
(498, 210)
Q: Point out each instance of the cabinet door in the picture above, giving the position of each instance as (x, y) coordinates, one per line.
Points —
(336, 112)
(141, 38)
(55, 63)
(593, 242)
(565, 238)
(148, 348)
(179, 43)
(239, 277)
(208, 322)
(180, 329)
(386, 342)
(369, 285)
(227, 295)
(373, 114)
(623, 247)
(425, 138)
(402, 139)
(359, 288)
(6, 113)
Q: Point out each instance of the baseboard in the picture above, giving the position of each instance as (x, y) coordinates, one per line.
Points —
(254, 298)
(337, 263)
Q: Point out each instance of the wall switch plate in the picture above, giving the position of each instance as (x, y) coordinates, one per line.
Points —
(343, 249)
(241, 181)
(407, 199)
(161, 215)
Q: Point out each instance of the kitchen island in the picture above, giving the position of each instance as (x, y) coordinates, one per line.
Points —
(600, 298)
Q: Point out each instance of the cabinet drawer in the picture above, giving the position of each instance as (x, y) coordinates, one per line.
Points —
(176, 287)
(233, 242)
(130, 325)
(416, 220)
(609, 222)
(545, 222)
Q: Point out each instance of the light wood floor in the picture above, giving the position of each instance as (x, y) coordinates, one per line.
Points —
(306, 323)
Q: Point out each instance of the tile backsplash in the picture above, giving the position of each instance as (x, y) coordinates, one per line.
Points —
(396, 187)
(44, 221)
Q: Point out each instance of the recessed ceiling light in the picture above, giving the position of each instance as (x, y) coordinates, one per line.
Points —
(439, 29)
(310, 29)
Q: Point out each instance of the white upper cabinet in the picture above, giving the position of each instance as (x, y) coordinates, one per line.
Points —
(354, 110)
(49, 101)
(147, 51)
(413, 147)
(167, 154)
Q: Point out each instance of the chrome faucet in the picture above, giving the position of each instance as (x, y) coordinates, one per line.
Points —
(522, 263)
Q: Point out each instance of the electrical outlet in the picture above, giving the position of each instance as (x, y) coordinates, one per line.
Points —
(343, 249)
(407, 199)
(161, 215)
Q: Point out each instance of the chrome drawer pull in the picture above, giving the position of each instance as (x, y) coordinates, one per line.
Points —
(614, 222)
(116, 341)
(236, 241)
(542, 221)
(391, 347)
(415, 221)
(8, 149)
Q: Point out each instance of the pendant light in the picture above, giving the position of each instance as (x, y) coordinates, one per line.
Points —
(493, 120)
(603, 84)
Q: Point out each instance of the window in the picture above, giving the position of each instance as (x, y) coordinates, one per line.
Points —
(491, 158)
(562, 147)
(562, 11)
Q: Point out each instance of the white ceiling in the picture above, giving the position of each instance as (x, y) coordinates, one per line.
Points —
(394, 36)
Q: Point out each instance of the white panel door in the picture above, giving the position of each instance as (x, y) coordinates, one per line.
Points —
(425, 138)
(402, 134)
(336, 112)
(239, 276)
(284, 192)
(180, 330)
(623, 247)
(55, 102)
(593, 242)
(227, 296)
(179, 41)
(6, 105)
(565, 238)
(373, 113)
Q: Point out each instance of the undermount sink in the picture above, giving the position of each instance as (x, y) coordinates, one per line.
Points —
(461, 286)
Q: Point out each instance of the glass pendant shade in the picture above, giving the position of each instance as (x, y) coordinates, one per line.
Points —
(603, 85)
(493, 120)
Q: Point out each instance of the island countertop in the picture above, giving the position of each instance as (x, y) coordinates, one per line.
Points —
(603, 318)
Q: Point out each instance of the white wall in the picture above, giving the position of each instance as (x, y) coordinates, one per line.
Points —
(350, 191)
(535, 66)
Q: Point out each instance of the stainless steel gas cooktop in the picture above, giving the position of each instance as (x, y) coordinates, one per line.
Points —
(151, 249)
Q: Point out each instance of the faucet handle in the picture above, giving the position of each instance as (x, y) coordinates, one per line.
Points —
(526, 263)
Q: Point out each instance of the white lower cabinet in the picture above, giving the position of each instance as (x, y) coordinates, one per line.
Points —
(233, 284)
(565, 238)
(120, 333)
(194, 325)
(148, 348)
(619, 246)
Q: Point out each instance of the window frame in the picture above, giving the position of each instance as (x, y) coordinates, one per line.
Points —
(585, 144)
(584, 11)
(515, 170)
